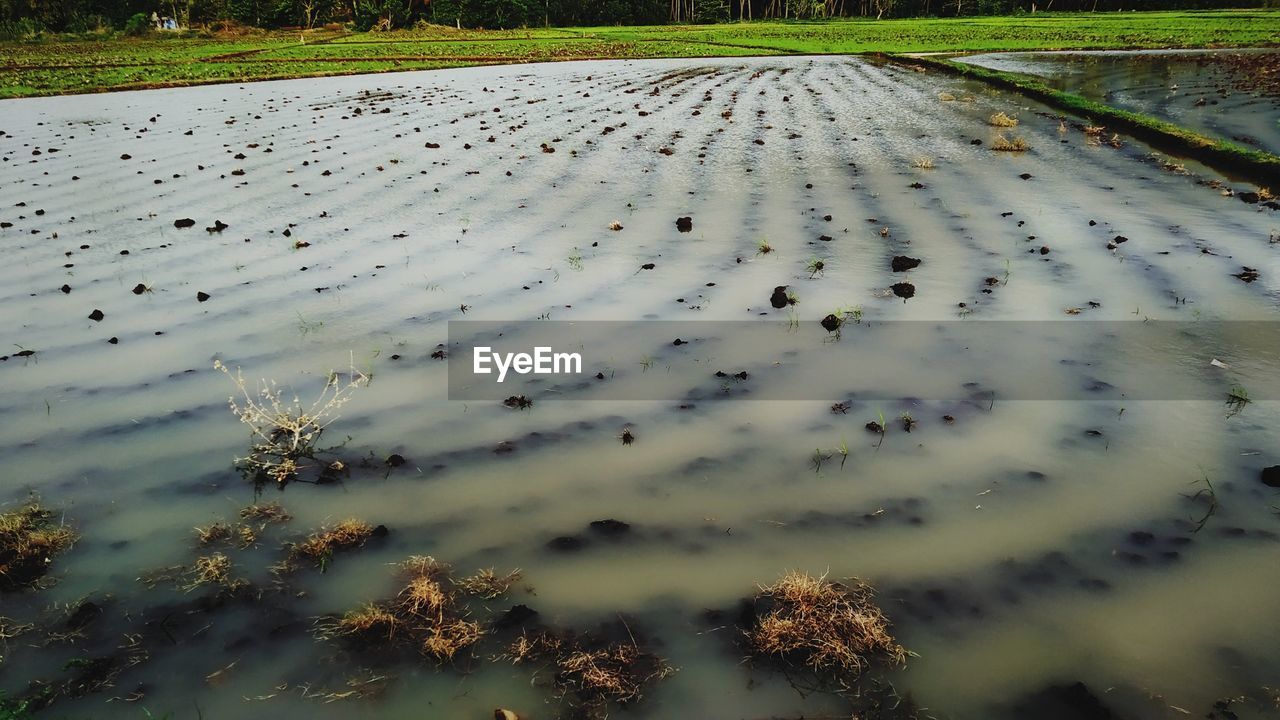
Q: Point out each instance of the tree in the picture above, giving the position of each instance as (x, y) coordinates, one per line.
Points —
(381, 14)
(710, 11)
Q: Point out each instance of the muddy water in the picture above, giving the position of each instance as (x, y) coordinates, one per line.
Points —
(1003, 543)
(1231, 94)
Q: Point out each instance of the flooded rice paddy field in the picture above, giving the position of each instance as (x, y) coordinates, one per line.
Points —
(1229, 94)
(1015, 546)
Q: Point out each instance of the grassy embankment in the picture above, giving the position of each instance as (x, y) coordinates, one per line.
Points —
(1255, 165)
(61, 65)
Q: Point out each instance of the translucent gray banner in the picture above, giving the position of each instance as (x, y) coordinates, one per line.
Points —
(845, 358)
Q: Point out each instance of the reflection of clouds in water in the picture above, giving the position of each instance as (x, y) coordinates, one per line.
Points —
(136, 440)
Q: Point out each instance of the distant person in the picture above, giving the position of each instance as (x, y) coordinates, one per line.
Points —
(155, 20)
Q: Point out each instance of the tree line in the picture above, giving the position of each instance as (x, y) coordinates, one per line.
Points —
(25, 17)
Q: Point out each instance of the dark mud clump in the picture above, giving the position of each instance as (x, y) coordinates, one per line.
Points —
(684, 224)
(97, 315)
(566, 543)
(518, 615)
(184, 223)
(831, 322)
(1247, 274)
(902, 263)
(1271, 476)
(904, 290)
(1064, 702)
(779, 297)
(30, 537)
(85, 614)
(518, 402)
(610, 528)
(202, 296)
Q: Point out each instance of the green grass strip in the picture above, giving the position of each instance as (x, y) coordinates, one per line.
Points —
(1255, 166)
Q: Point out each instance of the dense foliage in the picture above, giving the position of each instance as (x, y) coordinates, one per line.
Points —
(26, 18)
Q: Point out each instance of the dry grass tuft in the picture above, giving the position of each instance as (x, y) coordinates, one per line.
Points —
(170, 574)
(319, 547)
(422, 596)
(215, 533)
(418, 565)
(446, 639)
(487, 584)
(533, 648)
(246, 536)
(10, 629)
(946, 97)
(369, 622)
(618, 673)
(425, 614)
(29, 540)
(1004, 144)
(613, 672)
(922, 163)
(828, 627)
(220, 532)
(272, 512)
(212, 569)
(1002, 120)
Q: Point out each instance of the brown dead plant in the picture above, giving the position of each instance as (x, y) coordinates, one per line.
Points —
(1004, 144)
(319, 547)
(428, 614)
(487, 584)
(30, 538)
(833, 629)
(1002, 120)
(593, 671)
(285, 432)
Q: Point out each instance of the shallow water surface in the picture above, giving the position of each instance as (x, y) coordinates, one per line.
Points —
(1025, 542)
(1229, 94)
